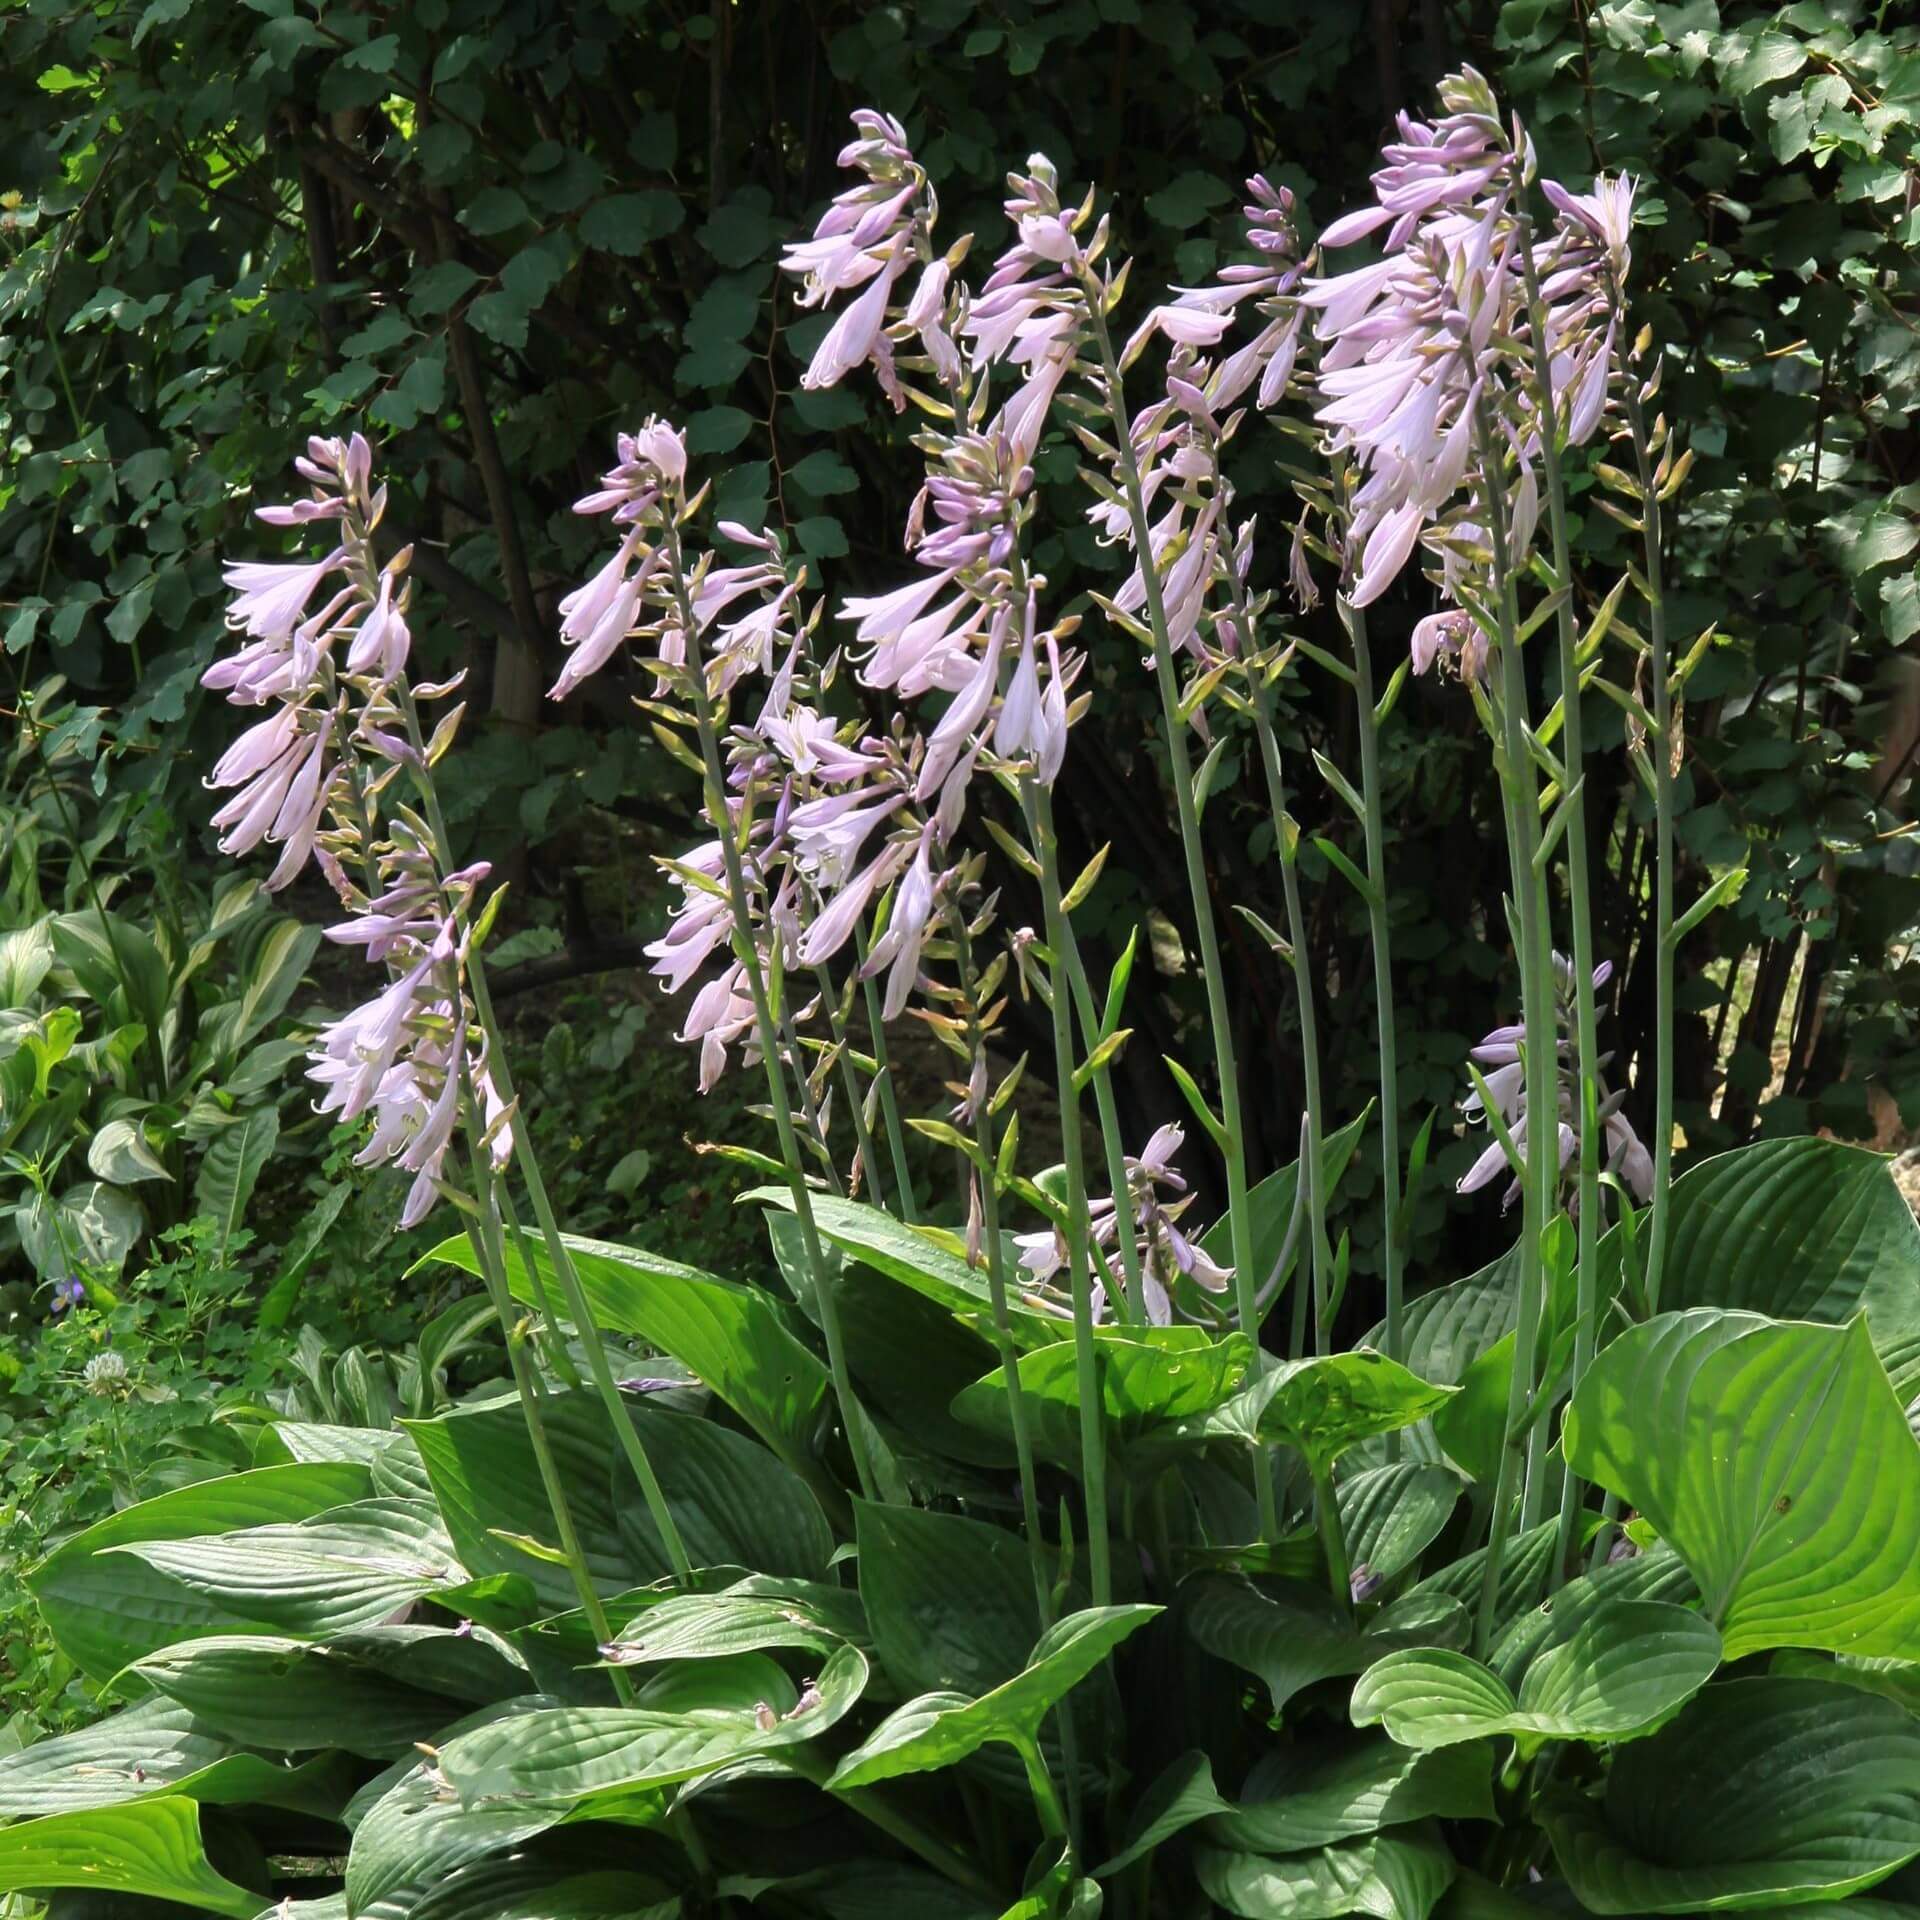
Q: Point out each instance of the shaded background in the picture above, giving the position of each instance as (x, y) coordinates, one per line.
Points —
(492, 232)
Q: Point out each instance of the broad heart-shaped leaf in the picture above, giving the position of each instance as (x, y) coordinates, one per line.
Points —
(1390, 1515)
(147, 1847)
(1797, 1229)
(1897, 1680)
(1341, 1788)
(735, 1502)
(504, 1782)
(914, 1258)
(158, 1747)
(1392, 1876)
(1762, 1792)
(349, 1567)
(1448, 1329)
(1290, 1635)
(1777, 1463)
(939, 1729)
(1323, 1405)
(1183, 1793)
(1627, 1665)
(115, 960)
(1150, 1377)
(950, 1601)
(106, 1609)
(1658, 1574)
(731, 1336)
(293, 1696)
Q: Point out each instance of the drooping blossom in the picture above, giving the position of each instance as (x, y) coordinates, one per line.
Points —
(1157, 1197)
(1501, 1056)
(1430, 371)
(312, 777)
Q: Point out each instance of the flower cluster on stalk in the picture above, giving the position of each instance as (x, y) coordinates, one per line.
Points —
(1431, 357)
(1156, 1198)
(1504, 1076)
(316, 777)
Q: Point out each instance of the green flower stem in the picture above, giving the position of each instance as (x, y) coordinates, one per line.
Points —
(1093, 1439)
(850, 1084)
(883, 1074)
(1539, 1049)
(1220, 1013)
(996, 1257)
(555, 1347)
(1393, 1253)
(524, 1157)
(1112, 1147)
(1312, 1172)
(1663, 758)
(1586, 1017)
(809, 1107)
(766, 1029)
(868, 1804)
(483, 1232)
(1333, 1542)
(1046, 1799)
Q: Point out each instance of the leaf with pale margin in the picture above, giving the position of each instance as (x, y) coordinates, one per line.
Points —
(1343, 1787)
(1762, 1792)
(939, 1729)
(500, 1784)
(1776, 1461)
(1397, 1876)
(1627, 1666)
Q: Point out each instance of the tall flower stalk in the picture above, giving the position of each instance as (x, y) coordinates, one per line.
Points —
(323, 777)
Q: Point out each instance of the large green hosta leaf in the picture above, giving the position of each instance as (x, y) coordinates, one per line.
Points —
(148, 1847)
(1149, 1377)
(158, 1747)
(731, 1336)
(1390, 1515)
(1763, 1792)
(1322, 1405)
(950, 1600)
(349, 1567)
(1799, 1229)
(1292, 1636)
(748, 1617)
(1270, 1206)
(1776, 1461)
(1316, 1794)
(1625, 1667)
(108, 1608)
(1392, 1876)
(293, 1696)
(1657, 1574)
(939, 1729)
(519, 1775)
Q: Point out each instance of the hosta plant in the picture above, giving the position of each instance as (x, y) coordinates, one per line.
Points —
(1031, 1545)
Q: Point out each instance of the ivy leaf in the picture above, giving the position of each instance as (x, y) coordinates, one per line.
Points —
(1188, 198)
(630, 222)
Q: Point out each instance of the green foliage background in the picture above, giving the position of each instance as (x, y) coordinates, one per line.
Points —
(494, 231)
